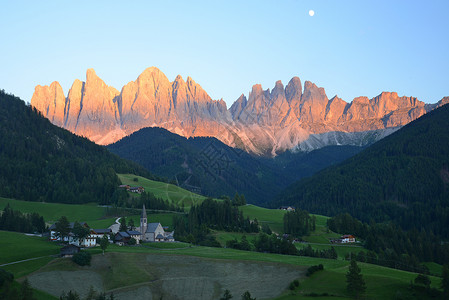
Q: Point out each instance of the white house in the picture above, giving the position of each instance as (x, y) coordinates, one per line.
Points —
(99, 233)
(89, 241)
(347, 238)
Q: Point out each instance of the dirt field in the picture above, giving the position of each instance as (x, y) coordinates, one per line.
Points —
(170, 277)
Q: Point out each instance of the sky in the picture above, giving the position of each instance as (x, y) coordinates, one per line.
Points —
(351, 48)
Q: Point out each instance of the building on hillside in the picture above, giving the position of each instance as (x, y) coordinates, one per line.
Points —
(153, 232)
(287, 208)
(136, 189)
(69, 250)
(124, 186)
(89, 241)
(347, 238)
(135, 235)
(99, 233)
(122, 238)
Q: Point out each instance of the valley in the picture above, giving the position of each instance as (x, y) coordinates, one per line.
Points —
(137, 271)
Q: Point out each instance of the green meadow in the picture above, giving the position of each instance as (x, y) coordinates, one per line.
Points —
(53, 211)
(166, 191)
(381, 282)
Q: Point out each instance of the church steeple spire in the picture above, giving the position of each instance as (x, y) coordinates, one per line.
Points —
(143, 221)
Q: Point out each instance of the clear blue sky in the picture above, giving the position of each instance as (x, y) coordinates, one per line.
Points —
(351, 48)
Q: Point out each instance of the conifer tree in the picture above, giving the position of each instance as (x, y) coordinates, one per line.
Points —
(123, 226)
(354, 278)
(445, 281)
(62, 227)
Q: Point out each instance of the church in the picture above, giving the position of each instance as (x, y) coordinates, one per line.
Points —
(153, 232)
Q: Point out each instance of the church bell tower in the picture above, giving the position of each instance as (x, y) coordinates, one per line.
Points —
(143, 222)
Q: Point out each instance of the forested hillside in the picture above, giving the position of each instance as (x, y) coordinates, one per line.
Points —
(207, 166)
(404, 178)
(42, 162)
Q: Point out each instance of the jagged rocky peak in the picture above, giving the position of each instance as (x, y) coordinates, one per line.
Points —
(263, 122)
(238, 106)
(293, 91)
(50, 101)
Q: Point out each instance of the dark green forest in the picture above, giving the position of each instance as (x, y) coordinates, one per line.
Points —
(403, 178)
(389, 245)
(207, 164)
(42, 162)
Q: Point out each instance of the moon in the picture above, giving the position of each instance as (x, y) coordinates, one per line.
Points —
(311, 12)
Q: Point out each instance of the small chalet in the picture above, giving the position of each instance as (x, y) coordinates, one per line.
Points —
(287, 208)
(122, 238)
(135, 235)
(136, 189)
(348, 238)
(124, 186)
(69, 250)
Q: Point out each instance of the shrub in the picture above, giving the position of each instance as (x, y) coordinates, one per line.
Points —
(132, 241)
(314, 269)
(82, 258)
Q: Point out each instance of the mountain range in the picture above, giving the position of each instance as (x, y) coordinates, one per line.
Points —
(266, 123)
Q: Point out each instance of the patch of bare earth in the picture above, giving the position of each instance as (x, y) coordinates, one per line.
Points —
(174, 277)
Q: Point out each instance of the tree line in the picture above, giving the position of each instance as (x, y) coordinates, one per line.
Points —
(14, 220)
(391, 246)
(211, 214)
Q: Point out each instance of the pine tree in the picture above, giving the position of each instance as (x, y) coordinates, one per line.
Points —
(62, 227)
(123, 226)
(131, 224)
(247, 296)
(445, 281)
(26, 290)
(356, 283)
(226, 295)
(104, 242)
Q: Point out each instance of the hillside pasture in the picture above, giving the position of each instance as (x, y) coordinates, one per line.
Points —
(53, 211)
(166, 191)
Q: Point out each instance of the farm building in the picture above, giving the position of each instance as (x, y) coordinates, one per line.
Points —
(347, 238)
(287, 208)
(136, 189)
(69, 250)
(89, 241)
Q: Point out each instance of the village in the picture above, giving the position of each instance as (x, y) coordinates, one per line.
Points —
(146, 232)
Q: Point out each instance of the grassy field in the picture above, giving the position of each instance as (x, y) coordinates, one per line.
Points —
(163, 190)
(53, 211)
(224, 236)
(18, 246)
(381, 282)
(272, 217)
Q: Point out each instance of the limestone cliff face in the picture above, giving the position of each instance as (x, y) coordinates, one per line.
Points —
(265, 123)
(50, 101)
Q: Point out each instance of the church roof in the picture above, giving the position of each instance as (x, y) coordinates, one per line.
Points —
(152, 227)
(144, 213)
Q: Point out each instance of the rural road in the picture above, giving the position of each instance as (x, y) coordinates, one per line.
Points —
(115, 227)
(24, 260)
